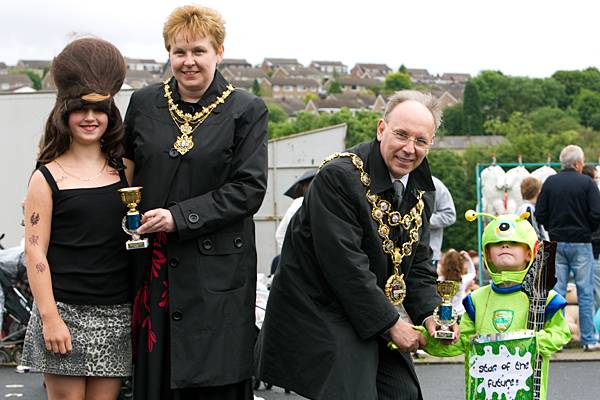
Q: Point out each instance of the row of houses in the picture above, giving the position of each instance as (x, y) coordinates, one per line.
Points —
(337, 68)
(284, 81)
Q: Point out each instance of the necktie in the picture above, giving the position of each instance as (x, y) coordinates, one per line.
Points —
(399, 191)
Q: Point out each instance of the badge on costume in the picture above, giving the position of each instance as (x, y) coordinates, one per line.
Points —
(503, 319)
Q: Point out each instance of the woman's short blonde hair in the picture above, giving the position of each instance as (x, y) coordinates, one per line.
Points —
(195, 22)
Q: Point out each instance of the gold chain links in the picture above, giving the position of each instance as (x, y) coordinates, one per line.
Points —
(386, 217)
(186, 122)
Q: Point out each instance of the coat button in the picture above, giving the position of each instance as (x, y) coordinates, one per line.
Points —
(207, 244)
(173, 153)
(193, 218)
(237, 242)
(174, 262)
(177, 316)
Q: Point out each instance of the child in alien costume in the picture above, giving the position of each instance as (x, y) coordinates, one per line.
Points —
(509, 244)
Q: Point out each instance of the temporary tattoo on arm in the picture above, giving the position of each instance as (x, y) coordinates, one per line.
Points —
(61, 179)
(40, 267)
(33, 240)
(35, 218)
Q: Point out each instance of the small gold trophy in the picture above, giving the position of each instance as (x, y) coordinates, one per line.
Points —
(131, 197)
(444, 315)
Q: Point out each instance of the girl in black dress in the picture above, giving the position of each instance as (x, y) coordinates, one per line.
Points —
(79, 332)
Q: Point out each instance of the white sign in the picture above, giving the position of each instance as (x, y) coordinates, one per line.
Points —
(503, 373)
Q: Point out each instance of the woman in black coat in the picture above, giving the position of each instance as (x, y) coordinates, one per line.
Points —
(200, 153)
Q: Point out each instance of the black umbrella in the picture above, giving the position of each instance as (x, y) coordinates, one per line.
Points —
(294, 190)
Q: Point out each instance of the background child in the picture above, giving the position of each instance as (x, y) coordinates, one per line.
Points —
(452, 268)
(530, 191)
(79, 332)
(509, 244)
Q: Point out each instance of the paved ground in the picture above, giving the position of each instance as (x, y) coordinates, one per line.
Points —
(573, 375)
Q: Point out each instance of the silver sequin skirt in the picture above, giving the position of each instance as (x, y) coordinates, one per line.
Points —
(100, 336)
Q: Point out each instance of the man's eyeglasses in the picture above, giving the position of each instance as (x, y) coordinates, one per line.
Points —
(420, 142)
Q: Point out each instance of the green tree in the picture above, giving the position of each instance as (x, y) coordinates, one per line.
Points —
(276, 113)
(403, 68)
(552, 120)
(310, 96)
(395, 81)
(472, 117)
(595, 121)
(575, 81)
(334, 87)
(517, 124)
(256, 88)
(376, 89)
(449, 167)
(362, 127)
(587, 104)
(36, 80)
(452, 123)
(502, 95)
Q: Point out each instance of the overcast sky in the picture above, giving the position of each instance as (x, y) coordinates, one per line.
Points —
(518, 37)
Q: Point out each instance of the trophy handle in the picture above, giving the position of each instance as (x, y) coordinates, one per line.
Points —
(128, 231)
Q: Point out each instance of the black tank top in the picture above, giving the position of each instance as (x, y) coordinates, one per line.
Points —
(86, 253)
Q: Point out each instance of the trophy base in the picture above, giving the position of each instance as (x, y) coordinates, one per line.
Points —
(446, 335)
(137, 244)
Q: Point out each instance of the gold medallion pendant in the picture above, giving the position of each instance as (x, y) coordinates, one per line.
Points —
(183, 144)
(187, 123)
(395, 289)
(386, 217)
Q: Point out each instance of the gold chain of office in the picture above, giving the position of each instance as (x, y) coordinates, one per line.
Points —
(386, 217)
(186, 122)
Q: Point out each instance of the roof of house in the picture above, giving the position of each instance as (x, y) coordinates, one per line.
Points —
(373, 66)
(294, 82)
(234, 61)
(336, 63)
(132, 78)
(244, 73)
(300, 72)
(355, 81)
(242, 84)
(332, 102)
(455, 89)
(48, 82)
(3, 65)
(290, 105)
(448, 76)
(15, 80)
(140, 61)
(34, 64)
(419, 71)
(135, 74)
(281, 60)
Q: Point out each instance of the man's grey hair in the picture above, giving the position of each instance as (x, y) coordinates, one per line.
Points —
(570, 155)
(427, 99)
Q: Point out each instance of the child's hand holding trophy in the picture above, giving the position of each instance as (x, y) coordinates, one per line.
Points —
(445, 315)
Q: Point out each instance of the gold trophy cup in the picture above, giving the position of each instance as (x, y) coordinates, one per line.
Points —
(445, 315)
(131, 197)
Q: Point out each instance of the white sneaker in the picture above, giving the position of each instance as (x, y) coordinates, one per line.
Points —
(258, 398)
(591, 347)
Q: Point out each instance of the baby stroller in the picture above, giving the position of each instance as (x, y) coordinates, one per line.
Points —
(15, 304)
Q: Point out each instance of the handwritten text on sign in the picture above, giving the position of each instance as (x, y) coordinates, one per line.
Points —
(503, 373)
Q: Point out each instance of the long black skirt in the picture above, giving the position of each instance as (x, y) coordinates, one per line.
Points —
(151, 341)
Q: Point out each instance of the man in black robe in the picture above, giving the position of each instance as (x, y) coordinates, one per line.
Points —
(329, 324)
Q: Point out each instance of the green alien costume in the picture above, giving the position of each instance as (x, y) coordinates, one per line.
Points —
(503, 307)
